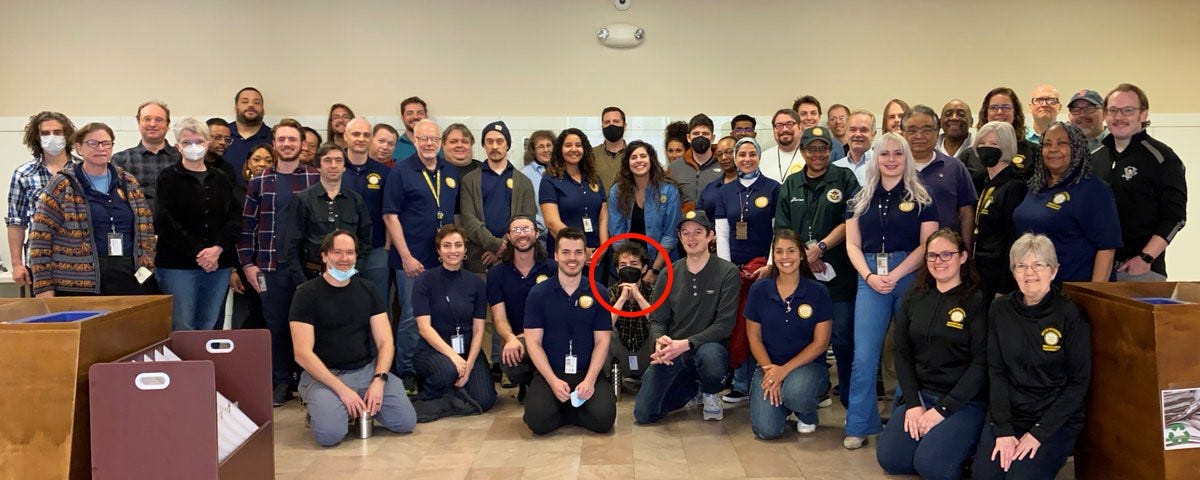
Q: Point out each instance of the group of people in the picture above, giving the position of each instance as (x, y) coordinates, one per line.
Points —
(864, 229)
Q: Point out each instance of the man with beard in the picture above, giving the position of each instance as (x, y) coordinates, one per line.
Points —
(861, 130)
(491, 196)
(956, 129)
(698, 167)
(1044, 105)
(607, 156)
(567, 333)
(367, 177)
(784, 158)
(944, 176)
(707, 202)
(809, 109)
(523, 264)
(1087, 112)
(265, 224)
(412, 110)
(249, 131)
(150, 156)
(836, 121)
(743, 125)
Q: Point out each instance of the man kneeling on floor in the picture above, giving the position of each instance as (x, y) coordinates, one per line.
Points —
(334, 319)
(690, 329)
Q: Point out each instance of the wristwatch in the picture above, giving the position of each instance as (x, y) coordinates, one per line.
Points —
(1146, 257)
(822, 246)
(382, 376)
(691, 344)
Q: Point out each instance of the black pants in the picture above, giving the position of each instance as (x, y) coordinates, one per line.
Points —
(545, 414)
(521, 373)
(1050, 458)
(116, 278)
(437, 375)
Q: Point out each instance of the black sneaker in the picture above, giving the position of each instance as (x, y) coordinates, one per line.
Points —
(735, 396)
(410, 385)
(497, 375)
(281, 395)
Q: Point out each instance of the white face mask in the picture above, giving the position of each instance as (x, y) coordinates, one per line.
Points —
(194, 152)
(53, 144)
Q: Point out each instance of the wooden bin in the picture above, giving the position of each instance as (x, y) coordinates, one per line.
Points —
(1138, 350)
(43, 376)
(172, 433)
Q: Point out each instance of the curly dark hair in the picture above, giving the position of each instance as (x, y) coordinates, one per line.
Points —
(33, 134)
(1018, 121)
(329, 120)
(587, 164)
(627, 185)
(677, 131)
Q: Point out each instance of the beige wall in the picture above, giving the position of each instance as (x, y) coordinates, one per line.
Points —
(540, 57)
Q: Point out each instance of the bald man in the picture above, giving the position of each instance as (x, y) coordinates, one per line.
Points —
(956, 128)
(1044, 105)
(366, 177)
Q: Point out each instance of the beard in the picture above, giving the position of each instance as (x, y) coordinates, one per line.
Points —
(241, 118)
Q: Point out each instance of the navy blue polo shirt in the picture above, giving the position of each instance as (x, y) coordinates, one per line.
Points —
(756, 206)
(950, 185)
(238, 151)
(1080, 219)
(505, 284)
(788, 323)
(575, 200)
(368, 181)
(409, 196)
(452, 299)
(707, 201)
(565, 317)
(110, 211)
(891, 223)
(497, 198)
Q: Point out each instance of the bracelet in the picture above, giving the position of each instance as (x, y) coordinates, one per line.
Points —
(868, 277)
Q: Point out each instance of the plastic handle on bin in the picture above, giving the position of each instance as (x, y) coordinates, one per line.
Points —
(152, 381)
(219, 345)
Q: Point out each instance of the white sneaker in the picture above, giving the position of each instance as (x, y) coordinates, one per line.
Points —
(825, 402)
(802, 427)
(713, 409)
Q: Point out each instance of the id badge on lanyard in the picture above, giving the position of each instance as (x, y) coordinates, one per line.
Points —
(571, 363)
(881, 264)
(456, 341)
(587, 224)
(116, 246)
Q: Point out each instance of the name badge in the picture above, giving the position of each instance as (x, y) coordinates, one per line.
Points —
(741, 230)
(587, 225)
(456, 342)
(571, 364)
(633, 363)
(142, 274)
(881, 264)
(116, 246)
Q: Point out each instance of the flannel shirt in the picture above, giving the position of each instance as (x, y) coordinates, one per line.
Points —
(144, 166)
(257, 244)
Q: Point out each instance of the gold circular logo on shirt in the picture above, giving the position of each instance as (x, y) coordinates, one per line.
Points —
(834, 196)
(595, 187)
(690, 215)
(804, 310)
(1061, 198)
(1018, 160)
(1051, 336)
(509, 183)
(662, 199)
(585, 302)
(540, 278)
(957, 315)
(373, 179)
(761, 202)
(450, 182)
(907, 206)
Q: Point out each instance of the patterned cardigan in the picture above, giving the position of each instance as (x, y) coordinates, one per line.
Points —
(62, 250)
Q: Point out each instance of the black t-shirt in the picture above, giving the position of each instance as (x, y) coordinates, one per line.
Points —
(340, 317)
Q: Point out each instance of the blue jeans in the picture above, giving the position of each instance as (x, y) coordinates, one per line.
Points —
(329, 415)
(842, 341)
(1051, 456)
(940, 454)
(800, 393)
(199, 296)
(666, 388)
(276, 304)
(376, 271)
(743, 374)
(406, 326)
(872, 314)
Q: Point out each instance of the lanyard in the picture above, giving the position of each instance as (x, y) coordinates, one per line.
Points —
(744, 203)
(779, 163)
(436, 191)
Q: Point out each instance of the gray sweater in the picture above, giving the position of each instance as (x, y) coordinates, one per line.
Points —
(701, 307)
(470, 201)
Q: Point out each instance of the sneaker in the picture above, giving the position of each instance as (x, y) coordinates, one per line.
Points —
(802, 427)
(713, 409)
(497, 375)
(825, 401)
(410, 384)
(281, 395)
(852, 442)
(695, 401)
(735, 396)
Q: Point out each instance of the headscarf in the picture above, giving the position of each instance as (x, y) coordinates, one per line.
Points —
(757, 149)
(1079, 169)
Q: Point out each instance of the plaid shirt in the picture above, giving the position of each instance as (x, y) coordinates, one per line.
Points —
(257, 244)
(144, 166)
(632, 332)
(28, 180)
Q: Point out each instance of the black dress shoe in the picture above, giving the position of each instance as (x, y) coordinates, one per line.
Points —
(281, 395)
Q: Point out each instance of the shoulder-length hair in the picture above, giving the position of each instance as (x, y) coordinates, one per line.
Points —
(1018, 121)
(914, 190)
(966, 272)
(33, 133)
(587, 164)
(794, 237)
(626, 184)
(333, 136)
(530, 151)
(1005, 136)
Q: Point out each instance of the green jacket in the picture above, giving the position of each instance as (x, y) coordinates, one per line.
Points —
(814, 211)
(470, 201)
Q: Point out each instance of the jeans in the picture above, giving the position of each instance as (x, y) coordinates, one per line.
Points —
(199, 296)
(743, 374)
(799, 393)
(1050, 458)
(842, 341)
(376, 271)
(939, 454)
(329, 417)
(406, 326)
(666, 388)
(276, 303)
(437, 375)
(872, 314)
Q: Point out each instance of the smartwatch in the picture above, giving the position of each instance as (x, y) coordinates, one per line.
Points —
(1146, 257)
(382, 376)
(822, 246)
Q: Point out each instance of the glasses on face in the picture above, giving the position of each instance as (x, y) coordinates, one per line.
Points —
(945, 256)
(783, 125)
(1000, 108)
(923, 131)
(1085, 110)
(193, 143)
(520, 230)
(98, 143)
(818, 150)
(1045, 101)
(341, 117)
(1122, 112)
(745, 129)
(225, 140)
(1039, 267)
(429, 139)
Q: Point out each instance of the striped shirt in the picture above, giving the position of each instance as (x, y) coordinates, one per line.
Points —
(258, 244)
(144, 165)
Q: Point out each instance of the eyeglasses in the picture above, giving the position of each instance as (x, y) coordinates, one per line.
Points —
(1122, 112)
(1000, 108)
(1021, 268)
(430, 139)
(1045, 101)
(943, 256)
(193, 143)
(783, 125)
(1089, 109)
(98, 143)
(818, 150)
(341, 117)
(923, 131)
(220, 139)
(746, 129)
(521, 230)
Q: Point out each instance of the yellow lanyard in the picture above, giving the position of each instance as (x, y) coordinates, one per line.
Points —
(436, 191)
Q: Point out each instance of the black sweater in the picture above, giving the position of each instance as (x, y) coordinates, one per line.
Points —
(1039, 364)
(995, 231)
(941, 347)
(189, 217)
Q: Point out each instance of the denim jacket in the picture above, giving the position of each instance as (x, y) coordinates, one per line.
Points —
(662, 213)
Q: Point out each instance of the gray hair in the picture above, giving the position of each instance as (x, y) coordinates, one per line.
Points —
(190, 124)
(920, 110)
(1037, 244)
(426, 121)
(863, 112)
(1005, 136)
(914, 190)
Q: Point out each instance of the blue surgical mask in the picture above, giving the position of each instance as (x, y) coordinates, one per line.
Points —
(342, 275)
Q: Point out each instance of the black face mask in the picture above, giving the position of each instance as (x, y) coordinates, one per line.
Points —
(629, 274)
(700, 145)
(990, 156)
(613, 133)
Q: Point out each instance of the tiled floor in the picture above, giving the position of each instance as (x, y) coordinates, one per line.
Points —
(498, 445)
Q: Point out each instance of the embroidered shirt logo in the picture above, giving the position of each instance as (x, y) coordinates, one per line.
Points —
(1130, 172)
(1051, 338)
(834, 196)
(957, 315)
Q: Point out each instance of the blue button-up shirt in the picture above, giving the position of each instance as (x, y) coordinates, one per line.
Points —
(575, 201)
(418, 197)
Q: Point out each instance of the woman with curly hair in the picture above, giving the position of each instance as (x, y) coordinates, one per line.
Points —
(645, 201)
